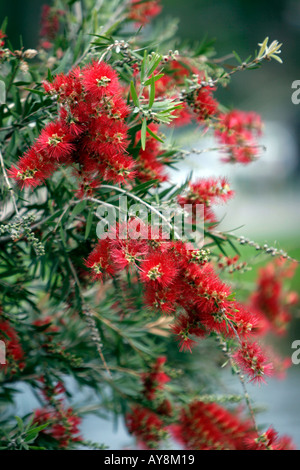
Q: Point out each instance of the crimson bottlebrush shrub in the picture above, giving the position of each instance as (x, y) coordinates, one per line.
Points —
(91, 294)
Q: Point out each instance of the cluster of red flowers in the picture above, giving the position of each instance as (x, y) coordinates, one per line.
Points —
(155, 379)
(174, 276)
(210, 426)
(178, 278)
(148, 426)
(142, 12)
(269, 305)
(237, 130)
(63, 423)
(90, 134)
(14, 354)
(270, 301)
(169, 85)
(196, 426)
(208, 192)
(49, 25)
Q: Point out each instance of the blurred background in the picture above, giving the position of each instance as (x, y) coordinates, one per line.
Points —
(267, 191)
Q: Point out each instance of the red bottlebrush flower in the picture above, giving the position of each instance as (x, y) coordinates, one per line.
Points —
(155, 379)
(14, 354)
(163, 299)
(33, 168)
(100, 79)
(76, 126)
(99, 260)
(68, 88)
(143, 12)
(212, 293)
(116, 108)
(63, 424)
(119, 168)
(158, 268)
(253, 361)
(270, 440)
(56, 141)
(238, 130)
(182, 115)
(182, 328)
(209, 426)
(203, 104)
(50, 22)
(244, 321)
(127, 252)
(113, 139)
(2, 36)
(269, 298)
(207, 192)
(146, 426)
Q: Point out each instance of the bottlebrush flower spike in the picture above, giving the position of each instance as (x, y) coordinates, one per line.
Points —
(142, 12)
(270, 440)
(63, 424)
(203, 104)
(56, 141)
(146, 426)
(269, 299)
(155, 380)
(158, 268)
(253, 361)
(100, 79)
(237, 131)
(50, 22)
(127, 252)
(209, 426)
(99, 261)
(208, 192)
(33, 168)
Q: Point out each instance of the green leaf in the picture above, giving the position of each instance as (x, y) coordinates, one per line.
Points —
(134, 95)
(143, 66)
(276, 57)
(154, 63)
(155, 77)
(152, 93)
(143, 134)
(89, 224)
(237, 57)
(154, 135)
